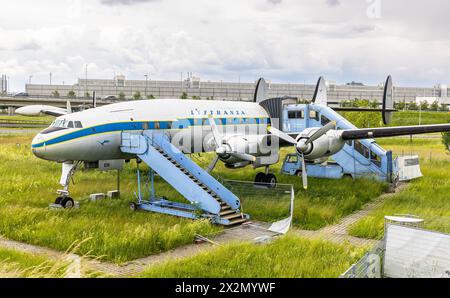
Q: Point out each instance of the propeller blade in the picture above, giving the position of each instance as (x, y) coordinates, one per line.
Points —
(281, 135)
(321, 131)
(243, 156)
(212, 164)
(216, 134)
(304, 174)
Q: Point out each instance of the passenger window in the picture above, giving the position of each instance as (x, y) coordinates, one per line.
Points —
(70, 124)
(324, 120)
(156, 125)
(375, 159)
(361, 149)
(295, 115)
(313, 115)
(78, 124)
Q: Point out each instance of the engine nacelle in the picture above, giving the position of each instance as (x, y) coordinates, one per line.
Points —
(256, 145)
(327, 145)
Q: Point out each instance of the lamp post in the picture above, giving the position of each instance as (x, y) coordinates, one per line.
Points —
(146, 83)
(29, 79)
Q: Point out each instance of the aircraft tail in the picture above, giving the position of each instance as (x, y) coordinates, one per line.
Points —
(320, 94)
(69, 107)
(260, 91)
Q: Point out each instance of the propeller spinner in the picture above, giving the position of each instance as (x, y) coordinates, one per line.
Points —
(303, 144)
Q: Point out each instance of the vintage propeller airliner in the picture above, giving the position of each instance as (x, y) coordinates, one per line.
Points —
(240, 133)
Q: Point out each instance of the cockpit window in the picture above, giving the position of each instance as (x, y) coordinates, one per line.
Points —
(63, 123)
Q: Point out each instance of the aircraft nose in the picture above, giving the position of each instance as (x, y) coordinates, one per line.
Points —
(38, 146)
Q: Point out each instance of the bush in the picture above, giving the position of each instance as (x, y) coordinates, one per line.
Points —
(71, 94)
(413, 106)
(434, 106)
(424, 105)
(55, 93)
(137, 95)
(150, 96)
(122, 96)
(184, 95)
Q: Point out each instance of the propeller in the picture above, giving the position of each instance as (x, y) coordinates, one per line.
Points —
(304, 173)
(223, 148)
(303, 144)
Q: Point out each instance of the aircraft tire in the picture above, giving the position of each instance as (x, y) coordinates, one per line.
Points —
(67, 202)
(58, 200)
(271, 180)
(260, 178)
(133, 206)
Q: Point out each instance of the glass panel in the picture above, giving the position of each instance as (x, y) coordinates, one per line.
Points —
(313, 115)
(324, 120)
(78, 124)
(70, 124)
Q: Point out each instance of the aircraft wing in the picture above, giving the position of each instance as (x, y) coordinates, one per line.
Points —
(370, 133)
(35, 110)
(53, 112)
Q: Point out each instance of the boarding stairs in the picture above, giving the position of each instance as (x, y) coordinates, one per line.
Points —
(361, 158)
(208, 197)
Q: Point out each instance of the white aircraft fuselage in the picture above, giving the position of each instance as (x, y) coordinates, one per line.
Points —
(95, 134)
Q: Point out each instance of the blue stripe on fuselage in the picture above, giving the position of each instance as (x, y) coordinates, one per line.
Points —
(124, 126)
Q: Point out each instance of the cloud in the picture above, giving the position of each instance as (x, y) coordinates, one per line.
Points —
(292, 42)
(125, 2)
(275, 1)
(333, 3)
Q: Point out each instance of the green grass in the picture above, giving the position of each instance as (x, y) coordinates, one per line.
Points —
(46, 119)
(119, 234)
(427, 197)
(288, 256)
(14, 264)
(412, 118)
(400, 118)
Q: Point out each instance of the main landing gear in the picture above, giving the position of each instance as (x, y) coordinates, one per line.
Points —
(266, 179)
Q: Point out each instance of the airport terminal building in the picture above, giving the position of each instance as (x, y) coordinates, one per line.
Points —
(193, 87)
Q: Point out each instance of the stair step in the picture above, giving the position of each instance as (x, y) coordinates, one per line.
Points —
(233, 216)
(226, 212)
(237, 221)
(225, 207)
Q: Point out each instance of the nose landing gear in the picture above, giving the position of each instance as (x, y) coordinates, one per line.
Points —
(63, 199)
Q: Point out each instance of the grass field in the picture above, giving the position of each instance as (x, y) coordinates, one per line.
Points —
(427, 197)
(18, 264)
(288, 256)
(401, 118)
(117, 233)
(46, 119)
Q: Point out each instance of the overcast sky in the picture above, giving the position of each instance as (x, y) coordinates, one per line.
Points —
(282, 40)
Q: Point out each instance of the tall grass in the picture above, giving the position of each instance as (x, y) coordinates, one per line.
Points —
(427, 197)
(288, 256)
(120, 235)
